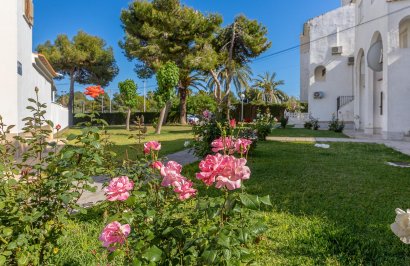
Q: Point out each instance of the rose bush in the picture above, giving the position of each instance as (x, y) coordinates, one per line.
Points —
(40, 187)
(173, 220)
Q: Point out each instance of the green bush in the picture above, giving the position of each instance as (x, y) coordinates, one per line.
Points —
(118, 119)
(40, 190)
(336, 125)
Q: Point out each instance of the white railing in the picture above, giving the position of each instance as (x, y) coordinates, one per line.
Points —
(297, 116)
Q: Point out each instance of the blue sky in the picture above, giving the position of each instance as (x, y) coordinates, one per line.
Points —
(284, 20)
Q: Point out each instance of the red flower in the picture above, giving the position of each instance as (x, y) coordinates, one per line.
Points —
(94, 91)
(232, 123)
(58, 127)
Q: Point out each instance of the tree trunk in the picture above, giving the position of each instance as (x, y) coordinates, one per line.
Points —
(128, 119)
(168, 108)
(162, 117)
(71, 100)
(228, 109)
(160, 120)
(182, 105)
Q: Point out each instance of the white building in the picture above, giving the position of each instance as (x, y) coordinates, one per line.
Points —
(21, 71)
(355, 63)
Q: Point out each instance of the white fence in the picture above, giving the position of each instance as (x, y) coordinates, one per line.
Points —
(297, 119)
(59, 115)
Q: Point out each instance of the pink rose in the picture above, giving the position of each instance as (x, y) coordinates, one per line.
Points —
(119, 188)
(242, 145)
(233, 172)
(171, 173)
(157, 165)
(184, 188)
(210, 168)
(223, 144)
(232, 123)
(207, 114)
(152, 146)
(114, 235)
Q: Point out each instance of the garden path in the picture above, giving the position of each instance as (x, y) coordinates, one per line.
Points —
(401, 146)
(88, 199)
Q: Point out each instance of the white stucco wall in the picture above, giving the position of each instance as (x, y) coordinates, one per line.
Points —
(8, 62)
(16, 46)
(373, 18)
(339, 75)
(59, 115)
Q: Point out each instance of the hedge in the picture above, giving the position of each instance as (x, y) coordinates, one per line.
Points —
(250, 110)
(116, 119)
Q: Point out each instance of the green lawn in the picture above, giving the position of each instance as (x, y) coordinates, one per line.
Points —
(302, 132)
(331, 207)
(172, 139)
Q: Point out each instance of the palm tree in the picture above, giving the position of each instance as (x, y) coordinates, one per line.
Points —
(240, 78)
(193, 80)
(269, 86)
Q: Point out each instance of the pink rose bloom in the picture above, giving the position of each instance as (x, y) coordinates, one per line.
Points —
(171, 173)
(152, 146)
(234, 171)
(210, 168)
(223, 144)
(119, 188)
(184, 188)
(232, 123)
(114, 235)
(207, 114)
(157, 165)
(242, 145)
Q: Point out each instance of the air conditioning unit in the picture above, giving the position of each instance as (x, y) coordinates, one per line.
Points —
(337, 50)
(350, 61)
(318, 95)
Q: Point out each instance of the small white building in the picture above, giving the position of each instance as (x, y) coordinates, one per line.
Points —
(22, 71)
(355, 63)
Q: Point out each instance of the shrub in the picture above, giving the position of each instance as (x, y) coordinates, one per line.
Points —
(313, 123)
(336, 125)
(40, 189)
(284, 121)
(263, 125)
(158, 216)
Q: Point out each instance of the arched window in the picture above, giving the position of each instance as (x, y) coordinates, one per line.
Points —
(29, 11)
(404, 33)
(320, 73)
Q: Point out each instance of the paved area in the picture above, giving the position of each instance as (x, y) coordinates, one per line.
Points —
(401, 146)
(90, 198)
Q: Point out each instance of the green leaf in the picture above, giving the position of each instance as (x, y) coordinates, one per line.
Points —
(2, 260)
(224, 241)
(209, 256)
(153, 254)
(136, 262)
(71, 137)
(266, 200)
(22, 259)
(250, 201)
(258, 228)
(7, 231)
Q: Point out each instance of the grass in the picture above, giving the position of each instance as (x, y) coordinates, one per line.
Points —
(302, 132)
(172, 139)
(331, 207)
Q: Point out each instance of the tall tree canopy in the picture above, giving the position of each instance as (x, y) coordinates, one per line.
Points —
(159, 31)
(167, 79)
(228, 53)
(128, 92)
(85, 59)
